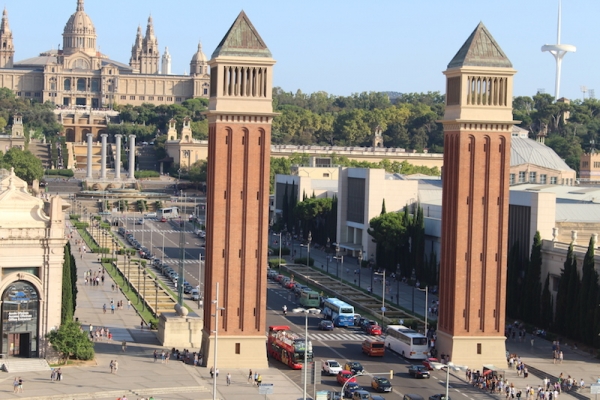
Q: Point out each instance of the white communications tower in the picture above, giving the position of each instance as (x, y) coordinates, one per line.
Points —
(558, 51)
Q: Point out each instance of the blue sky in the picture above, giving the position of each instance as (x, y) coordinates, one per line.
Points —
(341, 47)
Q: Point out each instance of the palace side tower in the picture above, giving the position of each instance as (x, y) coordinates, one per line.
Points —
(240, 115)
(477, 131)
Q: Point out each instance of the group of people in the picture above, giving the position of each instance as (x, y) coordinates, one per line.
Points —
(99, 334)
(254, 378)
(95, 280)
(56, 375)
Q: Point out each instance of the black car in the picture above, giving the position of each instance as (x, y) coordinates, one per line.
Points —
(418, 371)
(439, 396)
(350, 388)
(381, 384)
(354, 366)
(187, 289)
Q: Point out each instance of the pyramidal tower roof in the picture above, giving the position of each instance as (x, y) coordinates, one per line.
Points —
(242, 40)
(480, 50)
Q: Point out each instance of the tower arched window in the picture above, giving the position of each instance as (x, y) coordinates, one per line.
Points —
(81, 84)
(67, 84)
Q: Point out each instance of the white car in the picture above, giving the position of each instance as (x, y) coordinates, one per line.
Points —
(150, 215)
(331, 367)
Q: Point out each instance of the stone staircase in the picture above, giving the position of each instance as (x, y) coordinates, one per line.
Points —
(42, 151)
(146, 158)
(16, 365)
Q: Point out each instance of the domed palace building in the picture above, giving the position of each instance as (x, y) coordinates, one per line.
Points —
(79, 77)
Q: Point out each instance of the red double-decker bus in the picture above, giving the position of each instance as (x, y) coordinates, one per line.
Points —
(288, 347)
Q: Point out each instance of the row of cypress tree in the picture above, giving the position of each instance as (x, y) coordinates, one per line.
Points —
(69, 286)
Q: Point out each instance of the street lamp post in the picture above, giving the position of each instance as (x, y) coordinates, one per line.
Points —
(307, 344)
(138, 285)
(216, 332)
(308, 240)
(360, 260)
(156, 299)
(279, 249)
(440, 366)
(293, 234)
(163, 247)
(144, 296)
(327, 255)
(426, 290)
(200, 277)
(337, 260)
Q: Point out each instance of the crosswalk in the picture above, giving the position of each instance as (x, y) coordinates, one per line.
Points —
(338, 337)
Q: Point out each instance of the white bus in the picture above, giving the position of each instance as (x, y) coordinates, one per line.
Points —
(341, 313)
(406, 342)
(168, 212)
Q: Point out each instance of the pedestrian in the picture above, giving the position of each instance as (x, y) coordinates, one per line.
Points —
(53, 375)
(560, 357)
(124, 346)
(155, 355)
(162, 357)
(256, 378)
(116, 366)
(59, 375)
(112, 366)
(217, 372)
(16, 385)
(112, 308)
(212, 372)
(128, 304)
(20, 387)
(104, 308)
(250, 377)
(228, 379)
(259, 380)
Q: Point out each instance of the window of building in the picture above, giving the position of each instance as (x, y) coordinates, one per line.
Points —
(178, 99)
(160, 98)
(511, 180)
(142, 98)
(123, 97)
(95, 85)
(356, 200)
(584, 164)
(169, 99)
(67, 84)
(238, 348)
(596, 164)
(543, 179)
(131, 97)
(554, 282)
(19, 94)
(326, 175)
(478, 348)
(521, 176)
(27, 94)
(81, 85)
(36, 94)
(553, 180)
(532, 177)
(205, 91)
(150, 98)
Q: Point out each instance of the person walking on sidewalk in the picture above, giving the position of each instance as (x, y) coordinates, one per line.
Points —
(228, 379)
(124, 346)
(250, 377)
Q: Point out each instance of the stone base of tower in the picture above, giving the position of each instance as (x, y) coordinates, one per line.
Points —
(252, 352)
(473, 351)
(179, 332)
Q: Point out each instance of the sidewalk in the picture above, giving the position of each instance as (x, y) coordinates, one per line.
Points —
(138, 375)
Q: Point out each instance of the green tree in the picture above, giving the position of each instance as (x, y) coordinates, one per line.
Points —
(588, 296)
(27, 166)
(382, 207)
(71, 342)
(533, 286)
(546, 311)
(68, 308)
(388, 231)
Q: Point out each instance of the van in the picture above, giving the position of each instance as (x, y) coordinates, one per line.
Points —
(373, 348)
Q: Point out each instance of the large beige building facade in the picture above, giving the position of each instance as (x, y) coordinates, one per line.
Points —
(79, 76)
(32, 239)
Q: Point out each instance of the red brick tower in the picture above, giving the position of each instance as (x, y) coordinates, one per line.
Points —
(240, 115)
(477, 129)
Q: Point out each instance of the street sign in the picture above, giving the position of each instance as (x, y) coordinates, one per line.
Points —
(383, 309)
(265, 388)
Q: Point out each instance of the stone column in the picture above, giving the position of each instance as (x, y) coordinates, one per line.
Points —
(131, 156)
(103, 157)
(89, 156)
(118, 157)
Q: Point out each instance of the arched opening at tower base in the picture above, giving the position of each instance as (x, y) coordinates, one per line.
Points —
(20, 317)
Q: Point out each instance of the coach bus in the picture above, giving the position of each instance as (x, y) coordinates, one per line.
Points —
(310, 299)
(168, 212)
(406, 342)
(341, 313)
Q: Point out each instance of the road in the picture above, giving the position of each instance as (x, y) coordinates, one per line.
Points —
(344, 344)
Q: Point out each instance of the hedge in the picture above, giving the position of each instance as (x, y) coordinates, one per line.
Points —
(302, 261)
(61, 172)
(146, 174)
(274, 262)
(285, 251)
